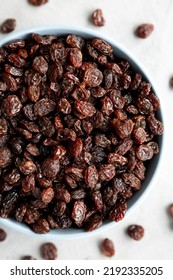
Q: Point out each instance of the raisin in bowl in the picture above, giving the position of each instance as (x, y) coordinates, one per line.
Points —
(81, 132)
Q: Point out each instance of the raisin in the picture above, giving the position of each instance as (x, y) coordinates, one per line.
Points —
(144, 152)
(28, 258)
(50, 168)
(118, 100)
(139, 135)
(31, 216)
(132, 180)
(59, 208)
(93, 223)
(75, 41)
(3, 127)
(86, 109)
(102, 141)
(20, 213)
(12, 176)
(107, 248)
(76, 57)
(8, 25)
(106, 172)
(58, 152)
(107, 106)
(8, 204)
(123, 127)
(76, 147)
(97, 18)
(5, 157)
(44, 107)
(33, 93)
(40, 65)
(63, 195)
(155, 125)
(78, 212)
(47, 195)
(97, 199)
(12, 105)
(154, 146)
(93, 77)
(102, 46)
(117, 159)
(27, 167)
(37, 2)
(41, 226)
(91, 176)
(118, 211)
(136, 232)
(3, 235)
(144, 30)
(64, 106)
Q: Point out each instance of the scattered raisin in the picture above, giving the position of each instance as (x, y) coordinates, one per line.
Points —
(49, 251)
(97, 18)
(107, 248)
(37, 2)
(136, 232)
(8, 25)
(144, 30)
(3, 235)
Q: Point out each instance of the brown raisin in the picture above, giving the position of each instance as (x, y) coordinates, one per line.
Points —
(8, 25)
(144, 30)
(107, 248)
(97, 18)
(136, 232)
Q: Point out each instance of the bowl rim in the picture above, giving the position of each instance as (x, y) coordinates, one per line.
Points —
(65, 29)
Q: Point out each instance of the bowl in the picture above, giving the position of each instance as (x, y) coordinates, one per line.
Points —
(154, 163)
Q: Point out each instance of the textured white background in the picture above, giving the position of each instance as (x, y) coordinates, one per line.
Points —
(156, 54)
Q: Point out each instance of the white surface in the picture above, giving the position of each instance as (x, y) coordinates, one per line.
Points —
(155, 53)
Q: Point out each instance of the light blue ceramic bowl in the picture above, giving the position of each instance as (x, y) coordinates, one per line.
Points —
(154, 164)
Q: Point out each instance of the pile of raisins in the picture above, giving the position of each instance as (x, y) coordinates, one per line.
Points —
(77, 125)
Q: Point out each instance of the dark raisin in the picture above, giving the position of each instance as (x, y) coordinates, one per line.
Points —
(144, 30)
(5, 157)
(93, 77)
(28, 258)
(93, 223)
(118, 211)
(50, 168)
(136, 232)
(132, 180)
(41, 226)
(37, 2)
(8, 25)
(49, 251)
(44, 107)
(12, 105)
(106, 172)
(3, 235)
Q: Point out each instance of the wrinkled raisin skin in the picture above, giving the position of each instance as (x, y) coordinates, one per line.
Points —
(97, 18)
(136, 232)
(144, 30)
